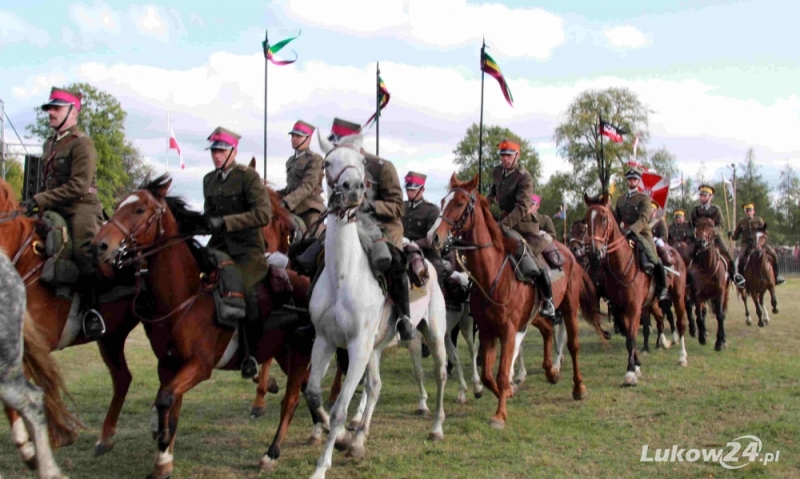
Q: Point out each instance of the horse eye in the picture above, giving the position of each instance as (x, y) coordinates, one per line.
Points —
(325, 164)
(139, 211)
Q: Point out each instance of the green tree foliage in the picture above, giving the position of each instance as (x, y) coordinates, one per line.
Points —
(663, 162)
(466, 154)
(14, 176)
(788, 205)
(578, 138)
(103, 119)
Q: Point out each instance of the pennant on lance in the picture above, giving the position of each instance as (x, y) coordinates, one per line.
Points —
(383, 100)
(614, 133)
(488, 65)
(271, 50)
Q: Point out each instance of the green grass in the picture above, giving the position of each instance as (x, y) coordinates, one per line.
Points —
(751, 388)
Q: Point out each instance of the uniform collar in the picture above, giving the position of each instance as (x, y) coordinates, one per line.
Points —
(414, 204)
(299, 153)
(224, 175)
(63, 133)
(632, 192)
(705, 206)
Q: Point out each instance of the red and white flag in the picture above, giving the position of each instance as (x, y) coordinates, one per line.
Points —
(173, 145)
(656, 187)
(635, 146)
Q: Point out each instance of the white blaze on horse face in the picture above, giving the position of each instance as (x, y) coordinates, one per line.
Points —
(446, 201)
(128, 200)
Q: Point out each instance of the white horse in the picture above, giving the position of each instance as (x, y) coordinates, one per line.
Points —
(349, 310)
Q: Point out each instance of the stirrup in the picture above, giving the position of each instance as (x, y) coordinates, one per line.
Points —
(406, 329)
(779, 280)
(249, 367)
(93, 316)
(738, 279)
(548, 309)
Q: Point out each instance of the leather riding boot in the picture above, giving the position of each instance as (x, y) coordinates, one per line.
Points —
(306, 262)
(547, 309)
(647, 265)
(93, 325)
(398, 291)
(660, 277)
(738, 279)
(778, 278)
(252, 330)
(664, 255)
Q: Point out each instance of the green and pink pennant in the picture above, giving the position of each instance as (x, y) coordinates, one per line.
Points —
(271, 50)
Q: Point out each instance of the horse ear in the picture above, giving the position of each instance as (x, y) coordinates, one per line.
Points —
(326, 145)
(453, 181)
(357, 142)
(253, 163)
(605, 199)
(162, 190)
(472, 184)
(587, 199)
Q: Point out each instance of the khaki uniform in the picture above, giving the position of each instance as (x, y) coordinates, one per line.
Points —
(699, 211)
(659, 228)
(419, 219)
(633, 211)
(70, 183)
(746, 232)
(681, 232)
(303, 192)
(387, 197)
(512, 190)
(546, 224)
(242, 200)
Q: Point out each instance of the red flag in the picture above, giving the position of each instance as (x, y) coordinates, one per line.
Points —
(656, 187)
(173, 145)
(612, 132)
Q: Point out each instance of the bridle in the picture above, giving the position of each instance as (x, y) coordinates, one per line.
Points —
(605, 249)
(336, 190)
(30, 239)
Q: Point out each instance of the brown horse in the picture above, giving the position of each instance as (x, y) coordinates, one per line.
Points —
(759, 279)
(685, 253)
(576, 242)
(187, 340)
(20, 240)
(710, 281)
(614, 265)
(502, 306)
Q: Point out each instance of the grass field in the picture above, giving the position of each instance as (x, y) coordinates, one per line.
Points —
(751, 388)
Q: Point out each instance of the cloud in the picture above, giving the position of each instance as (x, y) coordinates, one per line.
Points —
(517, 32)
(14, 29)
(99, 19)
(626, 37)
(156, 22)
(196, 19)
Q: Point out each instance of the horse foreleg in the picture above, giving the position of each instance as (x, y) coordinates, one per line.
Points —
(372, 391)
(507, 347)
(415, 349)
(702, 332)
(719, 311)
(773, 299)
(297, 374)
(453, 318)
(545, 328)
(671, 320)
(265, 384)
(518, 356)
(168, 406)
(632, 325)
(662, 341)
(28, 400)
(759, 308)
(336, 386)
(466, 325)
(112, 349)
(679, 303)
(561, 341)
(646, 331)
(570, 325)
(487, 353)
(764, 308)
(338, 437)
(440, 365)
(321, 354)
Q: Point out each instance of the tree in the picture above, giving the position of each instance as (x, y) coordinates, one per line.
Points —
(578, 138)
(467, 153)
(752, 188)
(788, 189)
(103, 119)
(136, 169)
(14, 176)
(663, 162)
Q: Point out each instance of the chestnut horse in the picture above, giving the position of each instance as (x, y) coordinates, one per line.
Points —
(502, 306)
(759, 279)
(614, 265)
(20, 240)
(187, 341)
(710, 281)
(685, 253)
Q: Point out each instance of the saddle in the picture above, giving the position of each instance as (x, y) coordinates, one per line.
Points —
(59, 271)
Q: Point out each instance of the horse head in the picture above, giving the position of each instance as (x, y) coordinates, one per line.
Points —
(576, 239)
(457, 212)
(137, 223)
(704, 234)
(760, 241)
(344, 172)
(602, 226)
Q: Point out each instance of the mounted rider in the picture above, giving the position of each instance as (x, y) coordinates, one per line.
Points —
(746, 231)
(236, 208)
(512, 189)
(419, 218)
(680, 230)
(545, 222)
(708, 210)
(660, 235)
(633, 213)
(385, 205)
(70, 189)
(303, 193)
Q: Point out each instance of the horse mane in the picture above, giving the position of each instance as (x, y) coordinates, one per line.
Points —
(187, 219)
(491, 225)
(8, 197)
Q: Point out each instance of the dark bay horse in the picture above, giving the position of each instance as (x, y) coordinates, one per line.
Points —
(187, 340)
(502, 306)
(710, 281)
(20, 240)
(614, 265)
(759, 279)
(686, 254)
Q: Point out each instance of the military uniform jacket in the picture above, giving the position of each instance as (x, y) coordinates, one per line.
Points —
(419, 219)
(242, 200)
(681, 232)
(711, 212)
(546, 224)
(70, 173)
(512, 192)
(303, 190)
(387, 196)
(746, 230)
(659, 229)
(634, 212)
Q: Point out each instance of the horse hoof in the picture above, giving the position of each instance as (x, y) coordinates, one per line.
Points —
(646, 350)
(630, 379)
(354, 425)
(436, 436)
(313, 441)
(272, 386)
(719, 346)
(683, 363)
(554, 376)
(775, 310)
(357, 452)
(257, 412)
(31, 463)
(518, 381)
(638, 372)
(514, 390)
(580, 393)
(267, 464)
(497, 423)
(606, 335)
(478, 394)
(461, 399)
(702, 339)
(344, 443)
(760, 323)
(748, 321)
(692, 333)
(100, 448)
(423, 412)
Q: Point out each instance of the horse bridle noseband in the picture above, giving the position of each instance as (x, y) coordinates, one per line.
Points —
(457, 227)
(337, 190)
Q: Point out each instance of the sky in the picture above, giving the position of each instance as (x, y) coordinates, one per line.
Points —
(718, 77)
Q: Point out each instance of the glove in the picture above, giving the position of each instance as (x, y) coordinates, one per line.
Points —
(215, 224)
(368, 207)
(628, 233)
(730, 234)
(29, 205)
(503, 226)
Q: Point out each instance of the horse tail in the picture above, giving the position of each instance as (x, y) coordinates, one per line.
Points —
(42, 368)
(588, 301)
